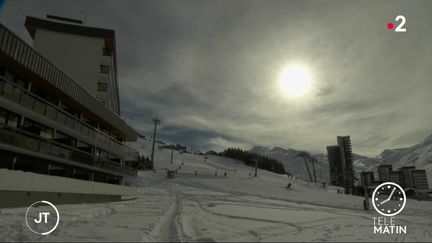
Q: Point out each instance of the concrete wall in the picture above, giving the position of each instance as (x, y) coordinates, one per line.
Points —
(18, 188)
(17, 199)
(78, 56)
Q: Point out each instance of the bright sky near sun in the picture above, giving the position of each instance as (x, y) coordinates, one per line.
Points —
(295, 81)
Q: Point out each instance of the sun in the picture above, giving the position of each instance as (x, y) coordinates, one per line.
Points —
(295, 81)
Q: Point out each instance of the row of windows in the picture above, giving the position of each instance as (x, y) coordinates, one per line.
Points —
(19, 96)
(105, 69)
(102, 87)
(11, 119)
(51, 98)
(20, 82)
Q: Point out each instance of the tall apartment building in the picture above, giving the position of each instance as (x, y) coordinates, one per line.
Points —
(342, 164)
(335, 166)
(344, 143)
(367, 177)
(407, 180)
(384, 172)
(59, 103)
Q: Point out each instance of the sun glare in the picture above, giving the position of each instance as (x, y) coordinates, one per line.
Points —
(295, 81)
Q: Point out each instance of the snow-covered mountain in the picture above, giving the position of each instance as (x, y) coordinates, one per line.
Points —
(296, 166)
(419, 155)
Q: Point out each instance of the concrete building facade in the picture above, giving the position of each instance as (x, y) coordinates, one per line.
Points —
(396, 177)
(53, 120)
(384, 172)
(419, 179)
(406, 180)
(67, 44)
(367, 177)
(335, 166)
(345, 148)
(341, 163)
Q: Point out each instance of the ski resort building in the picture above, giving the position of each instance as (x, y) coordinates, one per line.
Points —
(59, 103)
(419, 178)
(344, 143)
(407, 180)
(396, 177)
(335, 165)
(366, 177)
(341, 163)
(384, 172)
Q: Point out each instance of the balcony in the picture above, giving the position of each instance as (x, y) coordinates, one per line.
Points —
(33, 102)
(32, 142)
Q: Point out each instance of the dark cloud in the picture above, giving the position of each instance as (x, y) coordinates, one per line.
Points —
(209, 69)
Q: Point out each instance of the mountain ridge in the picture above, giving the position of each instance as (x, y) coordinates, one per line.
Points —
(419, 155)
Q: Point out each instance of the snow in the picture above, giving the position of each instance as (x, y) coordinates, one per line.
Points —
(205, 207)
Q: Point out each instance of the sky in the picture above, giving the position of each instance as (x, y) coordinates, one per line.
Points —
(210, 69)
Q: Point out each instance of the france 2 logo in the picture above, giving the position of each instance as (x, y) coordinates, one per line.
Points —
(401, 20)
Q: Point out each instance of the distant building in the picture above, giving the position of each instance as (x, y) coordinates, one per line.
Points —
(341, 163)
(335, 166)
(376, 183)
(396, 177)
(344, 143)
(406, 180)
(366, 177)
(384, 172)
(419, 179)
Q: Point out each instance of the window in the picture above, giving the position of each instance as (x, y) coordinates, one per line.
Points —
(9, 118)
(102, 87)
(3, 116)
(2, 70)
(85, 147)
(65, 139)
(9, 76)
(13, 120)
(106, 52)
(104, 154)
(104, 68)
(38, 129)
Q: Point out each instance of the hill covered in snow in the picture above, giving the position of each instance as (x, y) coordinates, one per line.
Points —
(296, 165)
(419, 155)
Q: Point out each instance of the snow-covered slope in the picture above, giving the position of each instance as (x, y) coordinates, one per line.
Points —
(217, 208)
(419, 155)
(296, 166)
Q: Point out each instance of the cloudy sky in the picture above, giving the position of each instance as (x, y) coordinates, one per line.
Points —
(210, 69)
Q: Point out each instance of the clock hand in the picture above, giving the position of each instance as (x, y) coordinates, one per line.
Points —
(391, 194)
(388, 199)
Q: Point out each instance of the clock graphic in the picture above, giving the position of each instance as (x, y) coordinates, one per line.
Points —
(388, 199)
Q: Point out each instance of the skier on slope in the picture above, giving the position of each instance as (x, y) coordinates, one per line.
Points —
(289, 184)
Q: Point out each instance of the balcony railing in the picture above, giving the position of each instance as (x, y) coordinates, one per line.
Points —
(32, 142)
(35, 103)
(22, 53)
